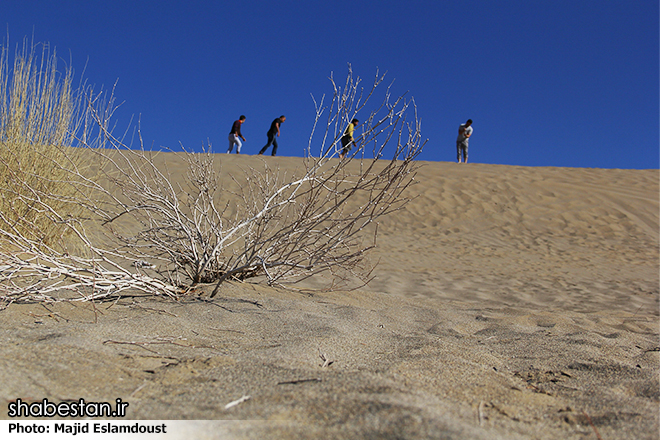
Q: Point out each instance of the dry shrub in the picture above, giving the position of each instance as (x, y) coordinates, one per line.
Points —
(164, 235)
(284, 227)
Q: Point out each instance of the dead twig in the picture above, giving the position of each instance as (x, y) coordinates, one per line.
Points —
(237, 402)
(166, 341)
(227, 330)
(326, 360)
(298, 381)
(592, 425)
(144, 384)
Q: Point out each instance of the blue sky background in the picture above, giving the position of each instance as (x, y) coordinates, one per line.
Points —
(571, 83)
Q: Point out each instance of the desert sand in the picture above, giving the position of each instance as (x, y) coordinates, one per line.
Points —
(507, 303)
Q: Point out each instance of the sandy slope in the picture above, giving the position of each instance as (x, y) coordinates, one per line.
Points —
(577, 239)
(509, 302)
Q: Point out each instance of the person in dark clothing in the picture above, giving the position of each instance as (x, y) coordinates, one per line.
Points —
(235, 134)
(273, 133)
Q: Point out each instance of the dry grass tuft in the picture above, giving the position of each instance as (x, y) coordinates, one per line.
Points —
(39, 116)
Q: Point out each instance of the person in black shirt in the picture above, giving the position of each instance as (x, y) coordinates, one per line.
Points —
(273, 132)
(235, 134)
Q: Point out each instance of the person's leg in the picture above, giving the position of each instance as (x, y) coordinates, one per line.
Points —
(344, 149)
(270, 141)
(458, 152)
(239, 144)
(465, 152)
(274, 146)
(231, 143)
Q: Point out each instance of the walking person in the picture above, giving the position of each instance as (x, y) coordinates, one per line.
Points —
(347, 140)
(273, 133)
(464, 133)
(235, 134)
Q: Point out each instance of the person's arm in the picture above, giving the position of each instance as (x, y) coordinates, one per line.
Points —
(277, 124)
(467, 134)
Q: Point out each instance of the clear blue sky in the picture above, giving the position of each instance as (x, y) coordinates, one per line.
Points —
(547, 82)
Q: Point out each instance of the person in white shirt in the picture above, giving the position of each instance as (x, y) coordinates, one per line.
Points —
(464, 133)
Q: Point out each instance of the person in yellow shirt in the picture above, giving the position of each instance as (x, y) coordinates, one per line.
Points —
(347, 139)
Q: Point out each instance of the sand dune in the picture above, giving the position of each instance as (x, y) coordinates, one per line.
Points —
(508, 302)
(580, 239)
